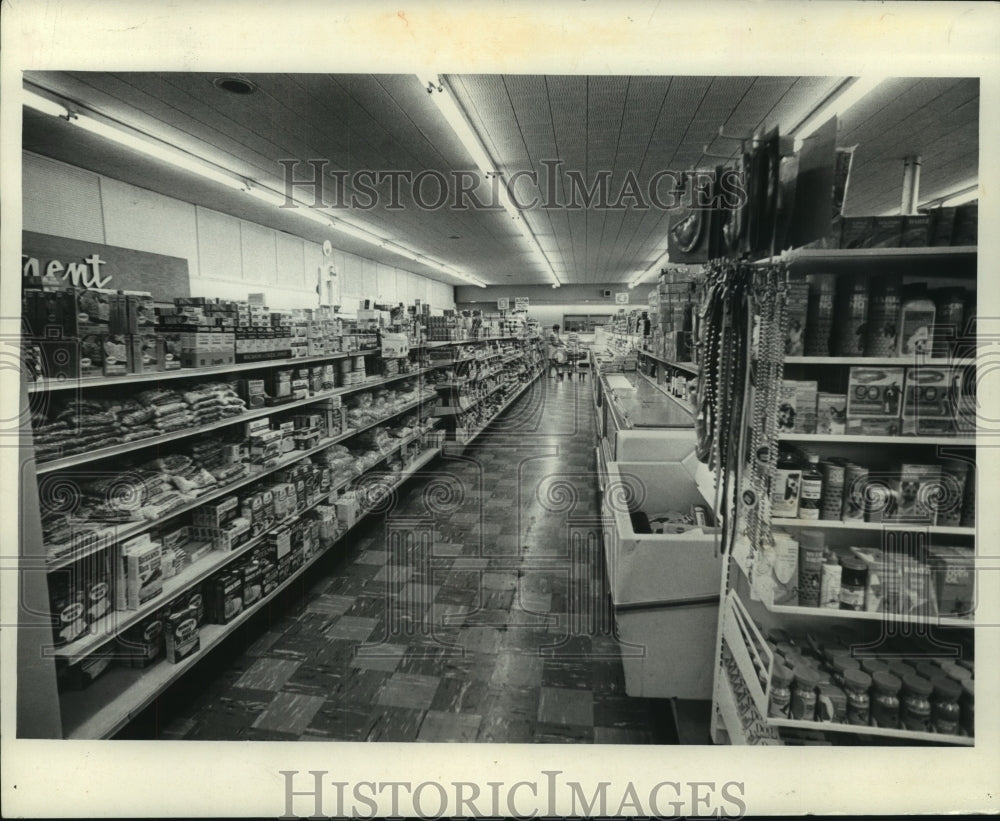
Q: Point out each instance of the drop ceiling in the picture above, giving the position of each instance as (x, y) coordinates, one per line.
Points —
(583, 124)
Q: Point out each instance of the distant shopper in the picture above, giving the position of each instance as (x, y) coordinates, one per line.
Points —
(557, 354)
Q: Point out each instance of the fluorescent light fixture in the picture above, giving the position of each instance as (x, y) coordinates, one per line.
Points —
(960, 197)
(157, 150)
(43, 104)
(653, 269)
(188, 162)
(846, 95)
(445, 102)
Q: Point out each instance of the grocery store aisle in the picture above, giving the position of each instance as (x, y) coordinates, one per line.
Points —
(472, 609)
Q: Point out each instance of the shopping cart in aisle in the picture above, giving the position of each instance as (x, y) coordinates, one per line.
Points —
(576, 356)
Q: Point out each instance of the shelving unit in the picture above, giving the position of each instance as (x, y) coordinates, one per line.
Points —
(119, 695)
(108, 704)
(741, 692)
(465, 391)
(247, 416)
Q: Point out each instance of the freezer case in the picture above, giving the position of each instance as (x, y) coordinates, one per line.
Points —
(664, 587)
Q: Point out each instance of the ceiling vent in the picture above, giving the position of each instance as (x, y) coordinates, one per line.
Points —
(234, 85)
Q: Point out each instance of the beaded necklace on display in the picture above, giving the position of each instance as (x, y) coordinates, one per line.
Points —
(722, 379)
(772, 319)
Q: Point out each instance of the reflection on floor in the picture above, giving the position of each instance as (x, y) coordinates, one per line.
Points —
(475, 609)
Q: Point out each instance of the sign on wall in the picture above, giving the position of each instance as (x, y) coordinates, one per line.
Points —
(503, 303)
(622, 298)
(520, 303)
(92, 265)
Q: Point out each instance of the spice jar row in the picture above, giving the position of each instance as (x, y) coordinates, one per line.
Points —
(831, 683)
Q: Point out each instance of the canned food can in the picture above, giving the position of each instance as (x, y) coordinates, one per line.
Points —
(855, 486)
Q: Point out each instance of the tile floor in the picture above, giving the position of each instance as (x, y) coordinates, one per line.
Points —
(475, 609)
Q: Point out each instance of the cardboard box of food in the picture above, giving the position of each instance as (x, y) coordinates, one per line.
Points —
(139, 576)
(224, 596)
(181, 632)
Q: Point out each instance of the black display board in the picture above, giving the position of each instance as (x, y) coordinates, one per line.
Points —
(93, 265)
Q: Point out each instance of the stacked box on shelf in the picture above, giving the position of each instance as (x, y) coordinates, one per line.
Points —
(675, 297)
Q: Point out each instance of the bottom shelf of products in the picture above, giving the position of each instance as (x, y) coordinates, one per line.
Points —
(108, 704)
(836, 685)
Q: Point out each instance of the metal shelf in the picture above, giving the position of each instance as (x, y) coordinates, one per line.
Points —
(688, 367)
(965, 441)
(942, 261)
(86, 382)
(120, 694)
(833, 524)
(154, 441)
(829, 614)
(883, 732)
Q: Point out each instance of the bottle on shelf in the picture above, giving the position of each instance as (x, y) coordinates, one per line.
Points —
(811, 489)
(812, 546)
(787, 485)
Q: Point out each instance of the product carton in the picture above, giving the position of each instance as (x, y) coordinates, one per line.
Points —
(216, 514)
(224, 596)
(875, 392)
(916, 488)
(67, 605)
(929, 400)
(253, 583)
(139, 576)
(797, 407)
(104, 354)
(141, 645)
(831, 413)
(953, 570)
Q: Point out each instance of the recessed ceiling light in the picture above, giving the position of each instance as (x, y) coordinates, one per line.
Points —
(234, 85)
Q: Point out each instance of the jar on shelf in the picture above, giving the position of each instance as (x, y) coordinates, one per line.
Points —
(780, 704)
(853, 580)
(831, 703)
(959, 674)
(856, 685)
(928, 670)
(968, 664)
(778, 636)
(804, 693)
(885, 700)
(787, 481)
(945, 713)
(900, 669)
(840, 666)
(915, 704)
(967, 703)
(873, 666)
(812, 546)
